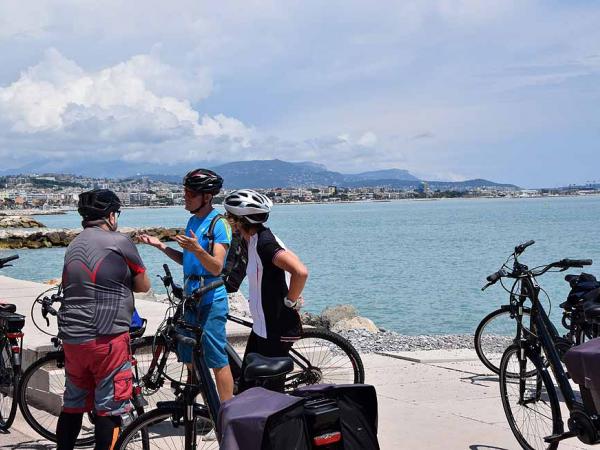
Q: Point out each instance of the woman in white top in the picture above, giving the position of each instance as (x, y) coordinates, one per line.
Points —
(276, 277)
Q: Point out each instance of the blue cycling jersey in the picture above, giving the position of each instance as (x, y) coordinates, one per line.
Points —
(194, 272)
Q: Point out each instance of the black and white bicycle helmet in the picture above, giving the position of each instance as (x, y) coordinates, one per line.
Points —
(251, 205)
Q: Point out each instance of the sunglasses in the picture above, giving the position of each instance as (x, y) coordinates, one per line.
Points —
(191, 193)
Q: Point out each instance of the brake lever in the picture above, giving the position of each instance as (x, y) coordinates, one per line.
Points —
(486, 286)
(45, 315)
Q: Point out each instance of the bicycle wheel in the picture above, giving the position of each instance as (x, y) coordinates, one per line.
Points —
(529, 399)
(165, 430)
(9, 378)
(40, 398)
(156, 369)
(322, 356)
(494, 334)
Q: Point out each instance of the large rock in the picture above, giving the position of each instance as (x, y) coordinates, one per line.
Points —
(20, 238)
(19, 222)
(355, 323)
(333, 314)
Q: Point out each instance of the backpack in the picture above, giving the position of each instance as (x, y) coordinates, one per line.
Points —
(234, 269)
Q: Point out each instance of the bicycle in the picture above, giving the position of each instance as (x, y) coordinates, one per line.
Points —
(42, 383)
(184, 424)
(527, 391)
(319, 356)
(497, 330)
(11, 345)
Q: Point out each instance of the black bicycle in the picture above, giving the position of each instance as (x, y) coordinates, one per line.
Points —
(527, 390)
(319, 356)
(497, 331)
(184, 423)
(11, 345)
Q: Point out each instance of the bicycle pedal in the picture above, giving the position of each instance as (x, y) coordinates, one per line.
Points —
(559, 437)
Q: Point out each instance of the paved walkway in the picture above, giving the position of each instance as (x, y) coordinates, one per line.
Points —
(447, 400)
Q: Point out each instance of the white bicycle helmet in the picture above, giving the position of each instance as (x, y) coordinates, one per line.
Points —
(251, 205)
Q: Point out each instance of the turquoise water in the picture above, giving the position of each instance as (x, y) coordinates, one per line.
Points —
(415, 267)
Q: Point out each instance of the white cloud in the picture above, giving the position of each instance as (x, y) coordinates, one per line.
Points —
(139, 101)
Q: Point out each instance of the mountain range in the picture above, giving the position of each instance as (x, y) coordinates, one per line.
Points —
(253, 174)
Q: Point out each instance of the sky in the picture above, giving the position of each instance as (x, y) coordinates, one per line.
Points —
(449, 89)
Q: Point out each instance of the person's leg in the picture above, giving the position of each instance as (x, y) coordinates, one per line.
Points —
(213, 318)
(67, 430)
(106, 432)
(78, 396)
(224, 382)
(252, 346)
(114, 386)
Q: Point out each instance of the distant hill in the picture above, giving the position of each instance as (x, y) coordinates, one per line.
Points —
(389, 174)
(271, 173)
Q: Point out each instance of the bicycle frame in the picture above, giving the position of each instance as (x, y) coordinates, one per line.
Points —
(541, 338)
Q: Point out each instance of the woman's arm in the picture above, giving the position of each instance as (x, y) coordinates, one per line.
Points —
(288, 261)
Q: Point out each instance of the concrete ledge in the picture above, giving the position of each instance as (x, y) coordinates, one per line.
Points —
(434, 356)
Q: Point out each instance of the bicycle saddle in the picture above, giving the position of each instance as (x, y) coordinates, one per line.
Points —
(7, 308)
(260, 366)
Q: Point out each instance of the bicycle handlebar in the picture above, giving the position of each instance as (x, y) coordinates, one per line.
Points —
(568, 263)
(496, 276)
(47, 306)
(521, 247)
(169, 283)
(4, 261)
(519, 270)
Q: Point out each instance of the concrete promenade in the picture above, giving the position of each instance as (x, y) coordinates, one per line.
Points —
(438, 400)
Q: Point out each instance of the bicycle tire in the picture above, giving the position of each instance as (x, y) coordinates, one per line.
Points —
(161, 431)
(9, 379)
(40, 398)
(490, 346)
(322, 356)
(544, 399)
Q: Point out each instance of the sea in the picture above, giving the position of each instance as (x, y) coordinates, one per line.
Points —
(412, 266)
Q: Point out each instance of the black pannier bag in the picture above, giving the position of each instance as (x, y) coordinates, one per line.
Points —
(583, 365)
(580, 285)
(11, 322)
(357, 405)
(259, 419)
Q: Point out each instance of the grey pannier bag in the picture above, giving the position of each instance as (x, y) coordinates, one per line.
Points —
(259, 419)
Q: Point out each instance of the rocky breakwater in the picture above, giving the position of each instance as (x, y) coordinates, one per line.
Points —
(366, 337)
(49, 237)
(19, 222)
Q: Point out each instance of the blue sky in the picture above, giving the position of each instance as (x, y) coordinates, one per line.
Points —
(504, 90)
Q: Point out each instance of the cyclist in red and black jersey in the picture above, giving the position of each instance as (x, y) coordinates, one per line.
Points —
(101, 270)
(276, 277)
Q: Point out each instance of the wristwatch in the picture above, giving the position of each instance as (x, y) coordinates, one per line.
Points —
(294, 304)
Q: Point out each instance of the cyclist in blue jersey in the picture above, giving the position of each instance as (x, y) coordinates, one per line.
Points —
(203, 265)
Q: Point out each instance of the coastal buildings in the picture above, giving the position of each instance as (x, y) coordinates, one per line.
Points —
(61, 191)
